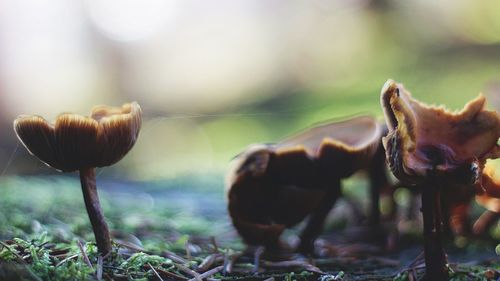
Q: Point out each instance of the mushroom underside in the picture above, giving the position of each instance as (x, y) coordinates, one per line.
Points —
(76, 142)
(426, 139)
(260, 210)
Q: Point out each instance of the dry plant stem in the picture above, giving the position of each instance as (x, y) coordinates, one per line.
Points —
(91, 198)
(435, 257)
(316, 221)
(208, 273)
(84, 254)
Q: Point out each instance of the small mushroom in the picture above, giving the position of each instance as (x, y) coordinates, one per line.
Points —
(80, 143)
(276, 186)
(490, 180)
(490, 198)
(432, 148)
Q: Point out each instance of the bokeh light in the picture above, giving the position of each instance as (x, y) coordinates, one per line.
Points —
(131, 20)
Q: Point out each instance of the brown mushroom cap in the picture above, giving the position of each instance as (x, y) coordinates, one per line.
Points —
(336, 149)
(426, 139)
(75, 142)
(271, 187)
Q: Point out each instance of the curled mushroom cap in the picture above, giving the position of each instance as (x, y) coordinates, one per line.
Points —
(336, 149)
(274, 186)
(428, 140)
(74, 142)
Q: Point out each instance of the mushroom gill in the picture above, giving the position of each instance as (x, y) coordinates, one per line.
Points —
(76, 141)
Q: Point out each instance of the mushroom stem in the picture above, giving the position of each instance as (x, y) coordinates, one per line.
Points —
(378, 180)
(316, 221)
(91, 198)
(435, 257)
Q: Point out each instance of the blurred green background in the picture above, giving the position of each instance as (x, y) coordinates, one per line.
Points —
(215, 76)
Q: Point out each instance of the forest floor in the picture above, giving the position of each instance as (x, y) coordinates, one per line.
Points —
(180, 230)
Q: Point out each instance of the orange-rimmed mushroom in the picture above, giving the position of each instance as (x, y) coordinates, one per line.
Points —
(273, 187)
(80, 143)
(432, 147)
(490, 198)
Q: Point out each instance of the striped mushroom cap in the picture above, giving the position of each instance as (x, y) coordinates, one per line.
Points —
(74, 142)
(266, 180)
(428, 140)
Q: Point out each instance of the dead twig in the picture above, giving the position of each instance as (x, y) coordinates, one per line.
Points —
(229, 262)
(156, 273)
(315, 269)
(294, 263)
(189, 271)
(130, 246)
(413, 266)
(18, 257)
(67, 259)
(208, 273)
(174, 257)
(166, 254)
(84, 254)
(169, 275)
(100, 261)
(413, 275)
(208, 262)
(412, 270)
(21, 260)
(214, 242)
(258, 252)
(417, 259)
(188, 250)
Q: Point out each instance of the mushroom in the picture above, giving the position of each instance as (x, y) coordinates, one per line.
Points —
(490, 198)
(432, 148)
(490, 180)
(273, 187)
(80, 143)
